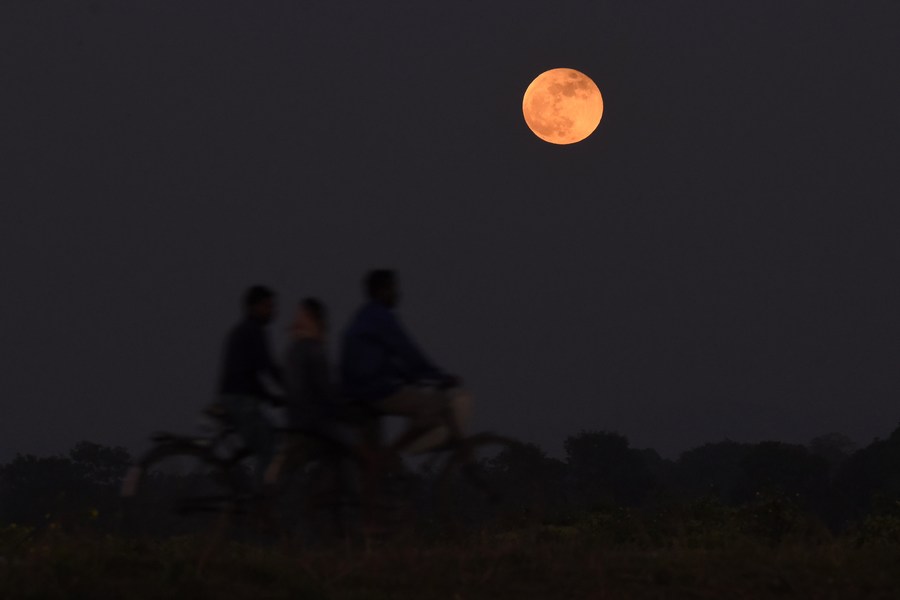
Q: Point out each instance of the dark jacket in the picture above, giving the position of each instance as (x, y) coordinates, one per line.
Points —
(378, 357)
(245, 358)
(309, 393)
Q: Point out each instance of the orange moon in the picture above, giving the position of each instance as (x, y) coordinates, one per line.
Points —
(562, 106)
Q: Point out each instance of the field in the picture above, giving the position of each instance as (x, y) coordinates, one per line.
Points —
(595, 558)
(725, 521)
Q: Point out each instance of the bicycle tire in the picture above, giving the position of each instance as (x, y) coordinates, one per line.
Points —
(178, 478)
(461, 487)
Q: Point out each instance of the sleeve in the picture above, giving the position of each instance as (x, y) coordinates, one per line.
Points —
(270, 366)
(262, 358)
(413, 361)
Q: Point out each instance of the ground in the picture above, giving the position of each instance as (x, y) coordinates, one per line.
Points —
(534, 562)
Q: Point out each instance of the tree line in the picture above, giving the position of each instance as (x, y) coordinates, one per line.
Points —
(828, 478)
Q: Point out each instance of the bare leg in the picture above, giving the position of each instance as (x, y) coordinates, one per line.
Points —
(426, 409)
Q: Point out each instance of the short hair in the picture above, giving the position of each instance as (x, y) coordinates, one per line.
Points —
(378, 280)
(256, 294)
(316, 310)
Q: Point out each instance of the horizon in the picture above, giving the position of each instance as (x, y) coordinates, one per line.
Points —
(393, 425)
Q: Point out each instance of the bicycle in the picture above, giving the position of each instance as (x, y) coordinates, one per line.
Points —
(446, 462)
(204, 475)
(184, 475)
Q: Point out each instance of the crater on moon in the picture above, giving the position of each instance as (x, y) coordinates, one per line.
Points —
(562, 106)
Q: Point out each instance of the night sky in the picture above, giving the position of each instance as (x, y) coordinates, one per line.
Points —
(719, 260)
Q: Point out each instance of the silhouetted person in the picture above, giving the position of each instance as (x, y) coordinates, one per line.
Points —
(313, 403)
(383, 367)
(246, 361)
(310, 394)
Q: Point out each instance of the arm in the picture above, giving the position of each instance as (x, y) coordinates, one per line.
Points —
(412, 360)
(269, 366)
(261, 359)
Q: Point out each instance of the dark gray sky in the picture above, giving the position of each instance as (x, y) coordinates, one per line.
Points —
(720, 259)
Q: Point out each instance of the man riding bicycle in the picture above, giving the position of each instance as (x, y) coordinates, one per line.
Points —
(382, 368)
(246, 361)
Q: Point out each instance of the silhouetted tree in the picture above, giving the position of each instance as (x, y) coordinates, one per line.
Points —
(34, 489)
(789, 470)
(712, 470)
(834, 447)
(527, 478)
(663, 473)
(603, 469)
(85, 483)
(869, 480)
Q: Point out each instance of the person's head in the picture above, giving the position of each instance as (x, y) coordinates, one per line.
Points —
(259, 303)
(311, 320)
(381, 286)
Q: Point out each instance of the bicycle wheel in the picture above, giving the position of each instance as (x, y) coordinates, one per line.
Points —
(463, 487)
(180, 478)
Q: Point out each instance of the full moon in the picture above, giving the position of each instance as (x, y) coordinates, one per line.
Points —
(562, 106)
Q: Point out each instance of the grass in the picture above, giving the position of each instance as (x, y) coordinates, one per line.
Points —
(590, 558)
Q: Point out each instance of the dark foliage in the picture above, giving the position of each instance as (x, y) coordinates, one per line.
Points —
(828, 481)
(603, 469)
(869, 480)
(82, 485)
